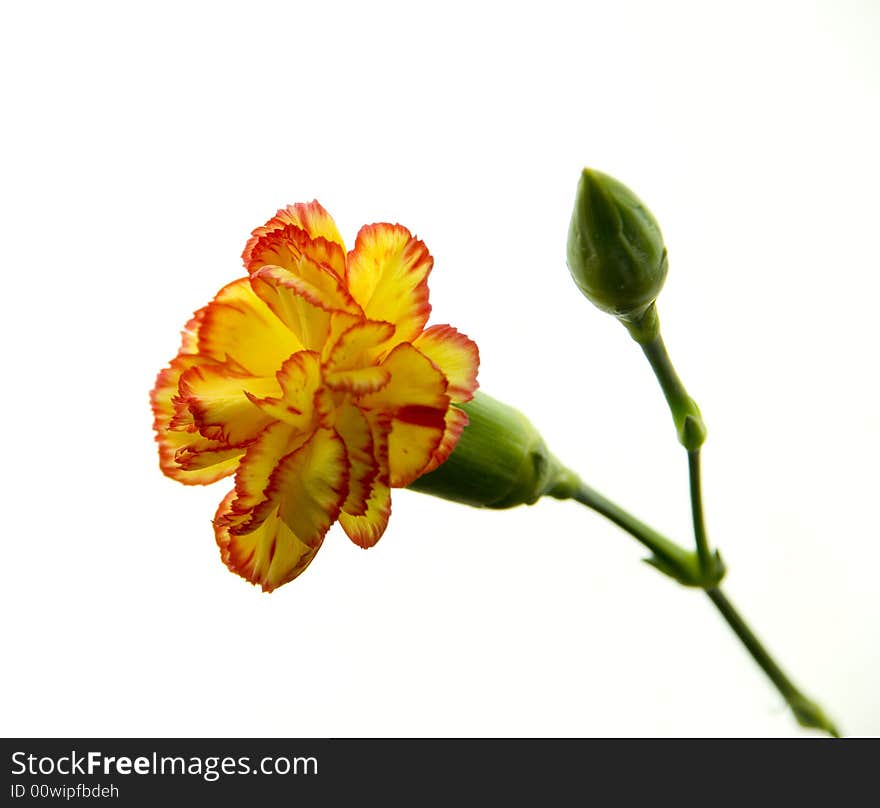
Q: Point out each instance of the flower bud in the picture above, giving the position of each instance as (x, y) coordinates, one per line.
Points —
(500, 461)
(616, 254)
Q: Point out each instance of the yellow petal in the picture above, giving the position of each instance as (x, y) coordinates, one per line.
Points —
(207, 459)
(184, 454)
(320, 264)
(300, 381)
(350, 363)
(340, 322)
(189, 337)
(220, 404)
(387, 274)
(269, 556)
(303, 304)
(414, 381)
(259, 461)
(195, 461)
(296, 304)
(360, 345)
(367, 529)
(166, 388)
(309, 216)
(416, 399)
(455, 422)
(357, 382)
(354, 429)
(309, 486)
(416, 433)
(293, 248)
(457, 357)
(240, 327)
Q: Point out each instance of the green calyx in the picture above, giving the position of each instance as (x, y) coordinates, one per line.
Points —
(500, 461)
(616, 253)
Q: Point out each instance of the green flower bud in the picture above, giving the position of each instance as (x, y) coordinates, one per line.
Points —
(616, 254)
(500, 461)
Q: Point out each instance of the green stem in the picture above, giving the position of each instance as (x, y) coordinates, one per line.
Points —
(807, 712)
(685, 566)
(691, 434)
(702, 540)
(685, 412)
(669, 557)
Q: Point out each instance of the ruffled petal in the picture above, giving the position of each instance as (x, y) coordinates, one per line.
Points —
(293, 248)
(320, 264)
(310, 484)
(416, 399)
(456, 420)
(415, 381)
(239, 328)
(360, 345)
(300, 382)
(416, 434)
(387, 274)
(340, 322)
(367, 529)
(457, 357)
(308, 216)
(296, 303)
(208, 460)
(256, 467)
(220, 405)
(184, 454)
(166, 388)
(269, 556)
(351, 366)
(354, 429)
(358, 381)
(189, 337)
(318, 283)
(303, 304)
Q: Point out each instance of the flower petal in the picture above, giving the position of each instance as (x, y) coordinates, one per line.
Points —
(415, 381)
(309, 486)
(456, 420)
(166, 388)
(220, 403)
(340, 322)
(416, 434)
(309, 216)
(360, 345)
(358, 381)
(258, 463)
(300, 382)
(184, 454)
(319, 263)
(195, 461)
(303, 304)
(240, 329)
(416, 399)
(293, 248)
(367, 529)
(269, 556)
(350, 365)
(354, 429)
(295, 303)
(189, 337)
(387, 275)
(457, 357)
(209, 459)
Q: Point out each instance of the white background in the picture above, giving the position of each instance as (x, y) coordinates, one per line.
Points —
(143, 142)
